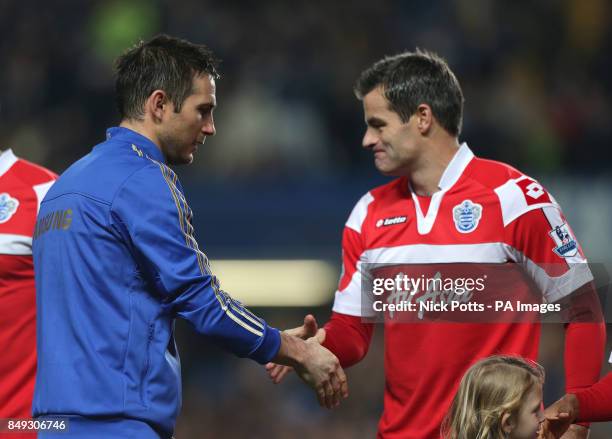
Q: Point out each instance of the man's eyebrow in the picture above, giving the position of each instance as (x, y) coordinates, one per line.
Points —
(375, 121)
(207, 106)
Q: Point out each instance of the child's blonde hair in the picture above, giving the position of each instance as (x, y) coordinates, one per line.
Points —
(489, 389)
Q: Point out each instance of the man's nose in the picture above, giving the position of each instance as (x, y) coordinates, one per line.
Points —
(369, 139)
(208, 128)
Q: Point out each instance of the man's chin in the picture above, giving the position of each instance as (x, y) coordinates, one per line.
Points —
(188, 159)
(181, 160)
(388, 171)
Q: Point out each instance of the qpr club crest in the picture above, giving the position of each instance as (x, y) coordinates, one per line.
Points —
(466, 216)
(8, 206)
(566, 243)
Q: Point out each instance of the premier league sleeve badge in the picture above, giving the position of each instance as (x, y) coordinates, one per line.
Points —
(565, 241)
(8, 207)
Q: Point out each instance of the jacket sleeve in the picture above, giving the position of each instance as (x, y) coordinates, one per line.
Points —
(152, 216)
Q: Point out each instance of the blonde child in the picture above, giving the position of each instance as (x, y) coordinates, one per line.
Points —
(499, 397)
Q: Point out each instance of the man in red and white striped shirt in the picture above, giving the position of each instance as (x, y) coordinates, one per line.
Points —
(448, 208)
(23, 185)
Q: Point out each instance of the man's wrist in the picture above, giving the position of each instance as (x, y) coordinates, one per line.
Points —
(574, 404)
(292, 351)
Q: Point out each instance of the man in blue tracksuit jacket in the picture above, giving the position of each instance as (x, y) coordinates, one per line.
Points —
(116, 262)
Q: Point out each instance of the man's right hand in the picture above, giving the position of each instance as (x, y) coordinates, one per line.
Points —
(321, 370)
(309, 329)
(316, 366)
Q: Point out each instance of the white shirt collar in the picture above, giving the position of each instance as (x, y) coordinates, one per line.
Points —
(455, 168)
(451, 174)
(7, 159)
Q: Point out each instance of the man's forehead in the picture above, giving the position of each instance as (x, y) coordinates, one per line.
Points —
(376, 105)
(204, 88)
(204, 84)
(375, 99)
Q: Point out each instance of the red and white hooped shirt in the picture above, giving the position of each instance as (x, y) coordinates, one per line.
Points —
(23, 185)
(485, 212)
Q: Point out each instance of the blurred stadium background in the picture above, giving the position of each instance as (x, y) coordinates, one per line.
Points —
(278, 181)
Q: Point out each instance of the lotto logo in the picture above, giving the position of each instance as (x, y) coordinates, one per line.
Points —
(534, 190)
(391, 221)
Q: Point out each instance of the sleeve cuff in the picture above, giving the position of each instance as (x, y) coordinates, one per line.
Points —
(268, 347)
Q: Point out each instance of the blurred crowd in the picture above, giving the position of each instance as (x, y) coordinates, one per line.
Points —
(535, 75)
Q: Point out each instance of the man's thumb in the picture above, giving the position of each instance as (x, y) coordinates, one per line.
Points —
(310, 326)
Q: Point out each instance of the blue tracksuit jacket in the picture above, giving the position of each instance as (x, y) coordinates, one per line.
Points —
(116, 262)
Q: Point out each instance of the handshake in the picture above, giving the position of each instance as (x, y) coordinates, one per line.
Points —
(559, 418)
(301, 350)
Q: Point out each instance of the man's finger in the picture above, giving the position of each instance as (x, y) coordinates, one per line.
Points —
(272, 369)
(557, 416)
(275, 371)
(321, 395)
(336, 387)
(284, 370)
(335, 382)
(310, 326)
(329, 395)
(343, 382)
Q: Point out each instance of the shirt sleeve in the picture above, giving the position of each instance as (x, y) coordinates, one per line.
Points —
(152, 216)
(542, 241)
(595, 403)
(348, 338)
(348, 298)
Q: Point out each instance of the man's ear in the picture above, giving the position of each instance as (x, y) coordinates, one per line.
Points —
(507, 424)
(424, 118)
(156, 105)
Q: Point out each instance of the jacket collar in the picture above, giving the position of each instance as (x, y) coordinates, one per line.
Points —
(143, 143)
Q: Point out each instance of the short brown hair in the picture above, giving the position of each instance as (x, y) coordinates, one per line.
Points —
(162, 63)
(410, 79)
